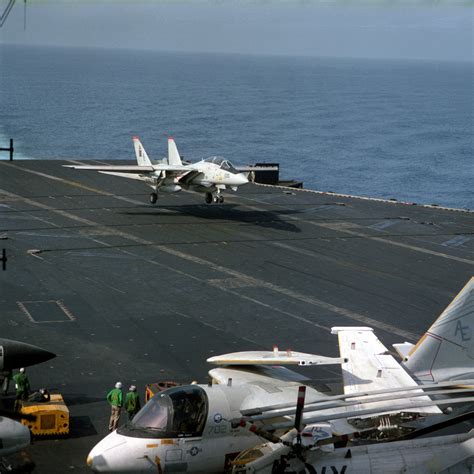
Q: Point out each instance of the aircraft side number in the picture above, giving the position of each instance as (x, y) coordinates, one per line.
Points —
(217, 429)
(326, 469)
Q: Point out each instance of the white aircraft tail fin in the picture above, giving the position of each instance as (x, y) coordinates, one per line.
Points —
(140, 153)
(173, 155)
(446, 350)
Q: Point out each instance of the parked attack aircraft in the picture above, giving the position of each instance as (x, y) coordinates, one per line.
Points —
(170, 175)
(452, 454)
(14, 354)
(201, 429)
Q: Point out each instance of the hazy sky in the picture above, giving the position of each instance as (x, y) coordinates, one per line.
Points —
(410, 29)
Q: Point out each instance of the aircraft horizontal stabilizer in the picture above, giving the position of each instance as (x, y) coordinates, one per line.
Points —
(273, 358)
(403, 349)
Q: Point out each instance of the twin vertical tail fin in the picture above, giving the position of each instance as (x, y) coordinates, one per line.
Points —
(140, 153)
(143, 160)
(446, 350)
(173, 155)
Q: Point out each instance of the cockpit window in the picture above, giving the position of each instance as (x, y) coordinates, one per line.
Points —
(179, 411)
(222, 162)
(155, 413)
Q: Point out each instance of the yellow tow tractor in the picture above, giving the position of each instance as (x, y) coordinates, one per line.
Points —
(51, 417)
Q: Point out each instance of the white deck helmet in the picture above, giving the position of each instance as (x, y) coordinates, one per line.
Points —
(118, 385)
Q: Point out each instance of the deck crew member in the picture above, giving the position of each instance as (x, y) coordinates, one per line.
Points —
(41, 396)
(22, 386)
(132, 402)
(115, 398)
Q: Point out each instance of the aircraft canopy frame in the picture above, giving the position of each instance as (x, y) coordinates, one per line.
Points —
(178, 412)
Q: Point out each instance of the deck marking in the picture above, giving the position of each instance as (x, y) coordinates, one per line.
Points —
(382, 225)
(230, 283)
(23, 307)
(234, 273)
(457, 241)
(39, 234)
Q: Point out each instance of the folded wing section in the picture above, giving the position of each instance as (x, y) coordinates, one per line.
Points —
(273, 357)
(271, 385)
(370, 366)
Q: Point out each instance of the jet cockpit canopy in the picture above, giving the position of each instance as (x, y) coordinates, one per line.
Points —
(224, 164)
(176, 412)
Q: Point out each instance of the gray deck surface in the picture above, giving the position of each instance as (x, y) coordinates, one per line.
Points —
(122, 290)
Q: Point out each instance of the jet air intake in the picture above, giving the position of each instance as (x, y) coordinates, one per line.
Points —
(170, 188)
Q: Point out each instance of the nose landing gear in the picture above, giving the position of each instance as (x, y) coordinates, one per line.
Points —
(153, 198)
(214, 198)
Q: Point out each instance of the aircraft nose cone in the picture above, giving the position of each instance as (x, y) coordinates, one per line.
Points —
(14, 436)
(19, 354)
(108, 455)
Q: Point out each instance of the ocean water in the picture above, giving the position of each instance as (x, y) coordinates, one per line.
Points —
(390, 129)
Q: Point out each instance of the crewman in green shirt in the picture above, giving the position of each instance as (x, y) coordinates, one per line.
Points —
(132, 402)
(115, 398)
(22, 386)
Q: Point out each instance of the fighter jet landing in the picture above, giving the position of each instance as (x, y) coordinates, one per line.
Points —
(171, 175)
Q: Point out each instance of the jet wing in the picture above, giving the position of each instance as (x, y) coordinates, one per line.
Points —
(135, 168)
(114, 168)
(184, 173)
(370, 366)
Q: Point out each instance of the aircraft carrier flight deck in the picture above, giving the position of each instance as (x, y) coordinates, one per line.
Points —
(124, 290)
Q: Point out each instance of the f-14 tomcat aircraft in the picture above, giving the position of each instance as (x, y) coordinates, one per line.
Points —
(170, 175)
(201, 429)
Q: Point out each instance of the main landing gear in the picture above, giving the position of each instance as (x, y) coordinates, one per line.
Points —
(153, 198)
(214, 198)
